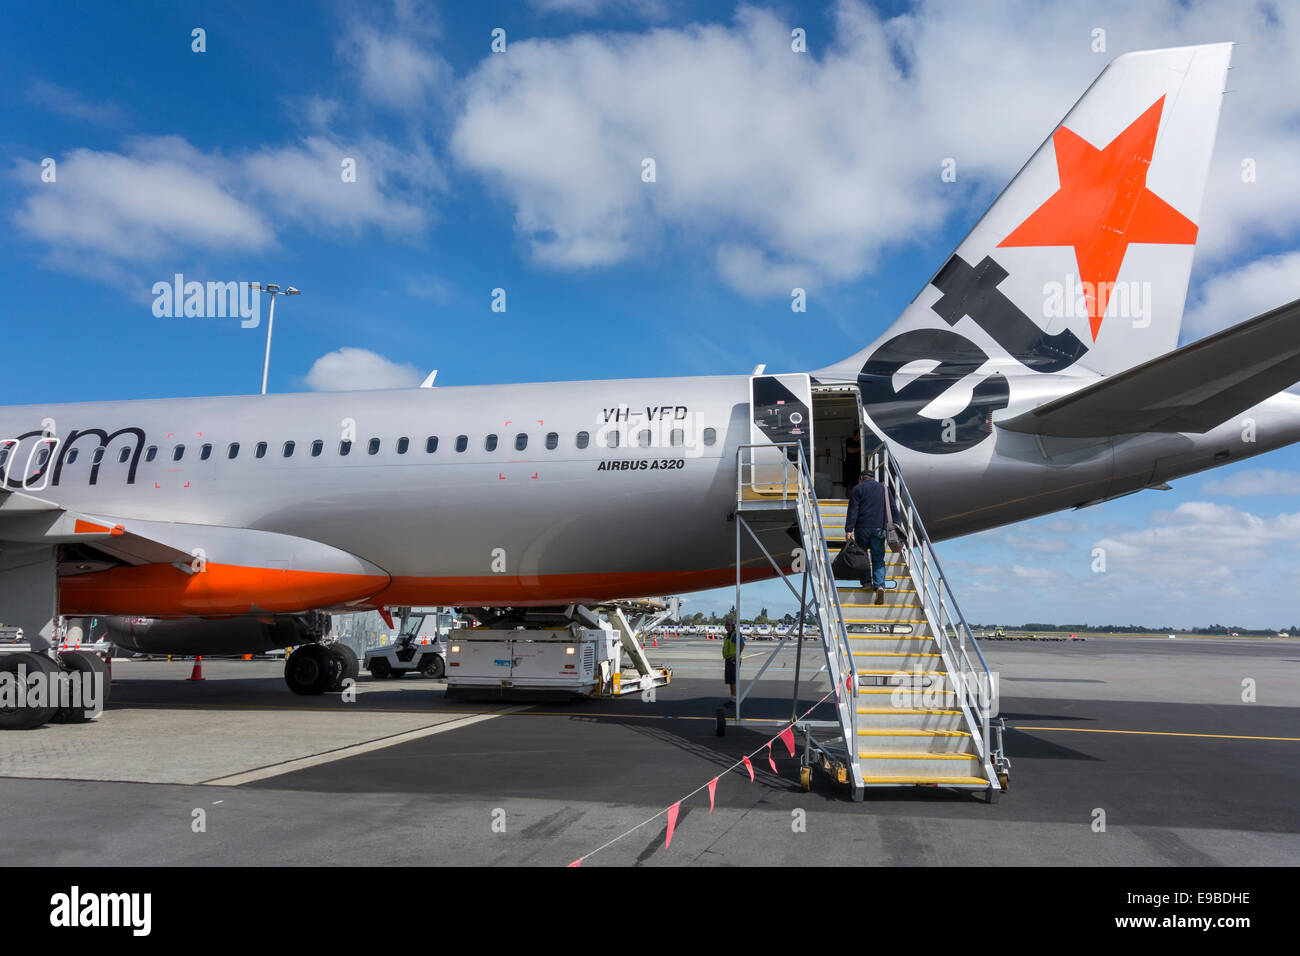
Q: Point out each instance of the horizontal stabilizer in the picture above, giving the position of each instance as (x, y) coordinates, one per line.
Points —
(1191, 389)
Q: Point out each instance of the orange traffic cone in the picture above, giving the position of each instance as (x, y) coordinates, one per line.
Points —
(656, 642)
(197, 673)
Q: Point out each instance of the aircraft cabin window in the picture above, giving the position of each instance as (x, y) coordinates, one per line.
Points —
(611, 440)
(260, 451)
(205, 453)
(123, 455)
(490, 443)
(317, 447)
(43, 456)
(178, 453)
(583, 438)
(99, 455)
(152, 453)
(72, 456)
(677, 437)
(431, 444)
(373, 447)
(710, 436)
(345, 446)
(462, 442)
(231, 452)
(552, 440)
(521, 441)
(287, 451)
(402, 445)
(644, 438)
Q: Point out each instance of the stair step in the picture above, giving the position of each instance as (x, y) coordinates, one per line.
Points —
(918, 711)
(884, 621)
(920, 763)
(907, 780)
(895, 688)
(895, 654)
(919, 743)
(896, 643)
(889, 637)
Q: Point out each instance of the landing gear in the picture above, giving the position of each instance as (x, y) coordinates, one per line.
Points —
(344, 665)
(310, 669)
(34, 670)
(77, 663)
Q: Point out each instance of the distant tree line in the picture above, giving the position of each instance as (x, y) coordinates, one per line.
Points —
(1225, 629)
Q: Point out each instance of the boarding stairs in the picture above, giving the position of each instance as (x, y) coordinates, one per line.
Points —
(915, 703)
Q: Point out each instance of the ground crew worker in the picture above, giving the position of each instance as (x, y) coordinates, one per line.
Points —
(733, 646)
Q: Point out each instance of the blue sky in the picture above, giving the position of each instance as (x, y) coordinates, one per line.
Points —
(481, 170)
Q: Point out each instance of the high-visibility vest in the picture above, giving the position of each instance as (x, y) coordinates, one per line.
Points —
(728, 646)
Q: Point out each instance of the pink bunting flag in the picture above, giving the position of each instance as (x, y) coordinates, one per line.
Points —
(770, 761)
(750, 767)
(672, 822)
(713, 789)
(577, 862)
(787, 737)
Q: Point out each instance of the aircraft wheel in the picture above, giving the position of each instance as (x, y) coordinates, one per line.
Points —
(309, 670)
(77, 663)
(338, 665)
(353, 665)
(380, 668)
(433, 666)
(25, 717)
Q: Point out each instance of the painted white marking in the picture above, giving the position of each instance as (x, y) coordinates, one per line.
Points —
(329, 756)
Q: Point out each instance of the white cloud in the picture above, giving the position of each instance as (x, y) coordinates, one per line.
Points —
(1255, 481)
(393, 69)
(793, 169)
(1199, 541)
(162, 198)
(71, 104)
(1038, 543)
(1038, 576)
(349, 369)
(1232, 297)
(139, 206)
(393, 188)
(651, 9)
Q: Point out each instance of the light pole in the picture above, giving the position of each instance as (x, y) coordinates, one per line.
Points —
(273, 290)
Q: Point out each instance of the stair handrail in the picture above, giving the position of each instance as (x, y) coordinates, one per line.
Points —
(939, 602)
(830, 612)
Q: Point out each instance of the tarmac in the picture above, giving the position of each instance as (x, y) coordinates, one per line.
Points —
(1124, 752)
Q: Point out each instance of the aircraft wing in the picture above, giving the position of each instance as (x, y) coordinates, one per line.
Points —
(1191, 389)
(28, 519)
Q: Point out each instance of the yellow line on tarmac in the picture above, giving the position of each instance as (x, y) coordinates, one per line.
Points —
(1154, 733)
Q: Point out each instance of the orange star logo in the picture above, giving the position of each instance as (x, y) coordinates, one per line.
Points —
(1103, 204)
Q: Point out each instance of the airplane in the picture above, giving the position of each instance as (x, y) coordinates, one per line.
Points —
(1037, 370)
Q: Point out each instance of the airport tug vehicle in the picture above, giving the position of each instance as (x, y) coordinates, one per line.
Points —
(405, 656)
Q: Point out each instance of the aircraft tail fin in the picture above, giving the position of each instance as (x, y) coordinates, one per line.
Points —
(1084, 258)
